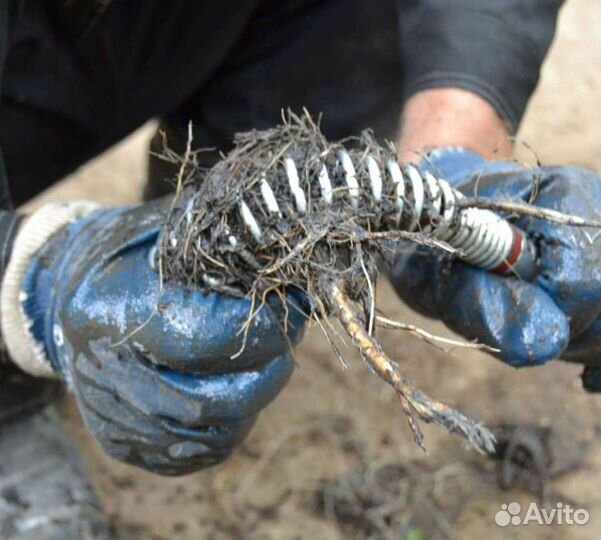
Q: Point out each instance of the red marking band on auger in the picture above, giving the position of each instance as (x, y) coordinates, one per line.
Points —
(514, 254)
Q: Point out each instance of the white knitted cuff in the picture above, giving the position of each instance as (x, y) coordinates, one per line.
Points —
(20, 343)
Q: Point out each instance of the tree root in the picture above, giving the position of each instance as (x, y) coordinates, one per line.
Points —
(412, 399)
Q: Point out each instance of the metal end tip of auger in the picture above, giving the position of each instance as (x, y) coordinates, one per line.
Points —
(483, 440)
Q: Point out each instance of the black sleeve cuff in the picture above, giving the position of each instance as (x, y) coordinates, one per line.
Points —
(493, 48)
(9, 225)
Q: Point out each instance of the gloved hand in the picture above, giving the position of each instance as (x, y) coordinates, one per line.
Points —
(558, 314)
(151, 369)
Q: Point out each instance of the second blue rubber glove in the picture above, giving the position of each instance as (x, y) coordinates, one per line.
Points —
(558, 314)
(154, 367)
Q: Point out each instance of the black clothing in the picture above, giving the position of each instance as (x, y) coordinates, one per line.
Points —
(492, 47)
(9, 225)
(75, 81)
(78, 76)
(20, 393)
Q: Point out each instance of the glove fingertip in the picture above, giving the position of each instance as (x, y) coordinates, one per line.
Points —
(516, 317)
(535, 330)
(535, 344)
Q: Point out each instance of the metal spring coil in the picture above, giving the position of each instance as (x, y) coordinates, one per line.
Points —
(481, 238)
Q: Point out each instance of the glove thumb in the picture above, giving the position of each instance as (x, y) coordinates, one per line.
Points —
(514, 316)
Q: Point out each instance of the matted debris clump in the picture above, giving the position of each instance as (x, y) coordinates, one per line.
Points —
(286, 208)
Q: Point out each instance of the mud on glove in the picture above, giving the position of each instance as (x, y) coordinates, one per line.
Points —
(151, 368)
(558, 314)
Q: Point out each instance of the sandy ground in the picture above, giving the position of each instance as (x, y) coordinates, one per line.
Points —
(329, 421)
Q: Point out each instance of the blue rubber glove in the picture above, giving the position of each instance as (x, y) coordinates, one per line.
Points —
(152, 372)
(558, 314)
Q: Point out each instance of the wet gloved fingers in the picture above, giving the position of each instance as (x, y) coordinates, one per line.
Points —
(179, 328)
(188, 399)
(569, 261)
(166, 377)
(555, 315)
(166, 421)
(516, 317)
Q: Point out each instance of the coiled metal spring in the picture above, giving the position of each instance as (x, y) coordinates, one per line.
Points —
(481, 238)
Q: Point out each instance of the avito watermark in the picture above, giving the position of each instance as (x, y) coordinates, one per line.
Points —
(560, 514)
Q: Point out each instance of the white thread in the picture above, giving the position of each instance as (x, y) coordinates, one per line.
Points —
(230, 237)
(482, 237)
(350, 177)
(211, 281)
(417, 185)
(325, 185)
(397, 178)
(251, 222)
(449, 200)
(188, 211)
(294, 182)
(375, 176)
(269, 197)
(435, 192)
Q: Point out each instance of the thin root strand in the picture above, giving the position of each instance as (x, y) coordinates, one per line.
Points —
(412, 399)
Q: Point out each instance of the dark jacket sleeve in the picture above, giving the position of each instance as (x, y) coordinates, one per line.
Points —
(9, 220)
(5, 15)
(491, 47)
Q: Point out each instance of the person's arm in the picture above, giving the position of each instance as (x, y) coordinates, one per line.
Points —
(470, 68)
(452, 117)
(466, 92)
